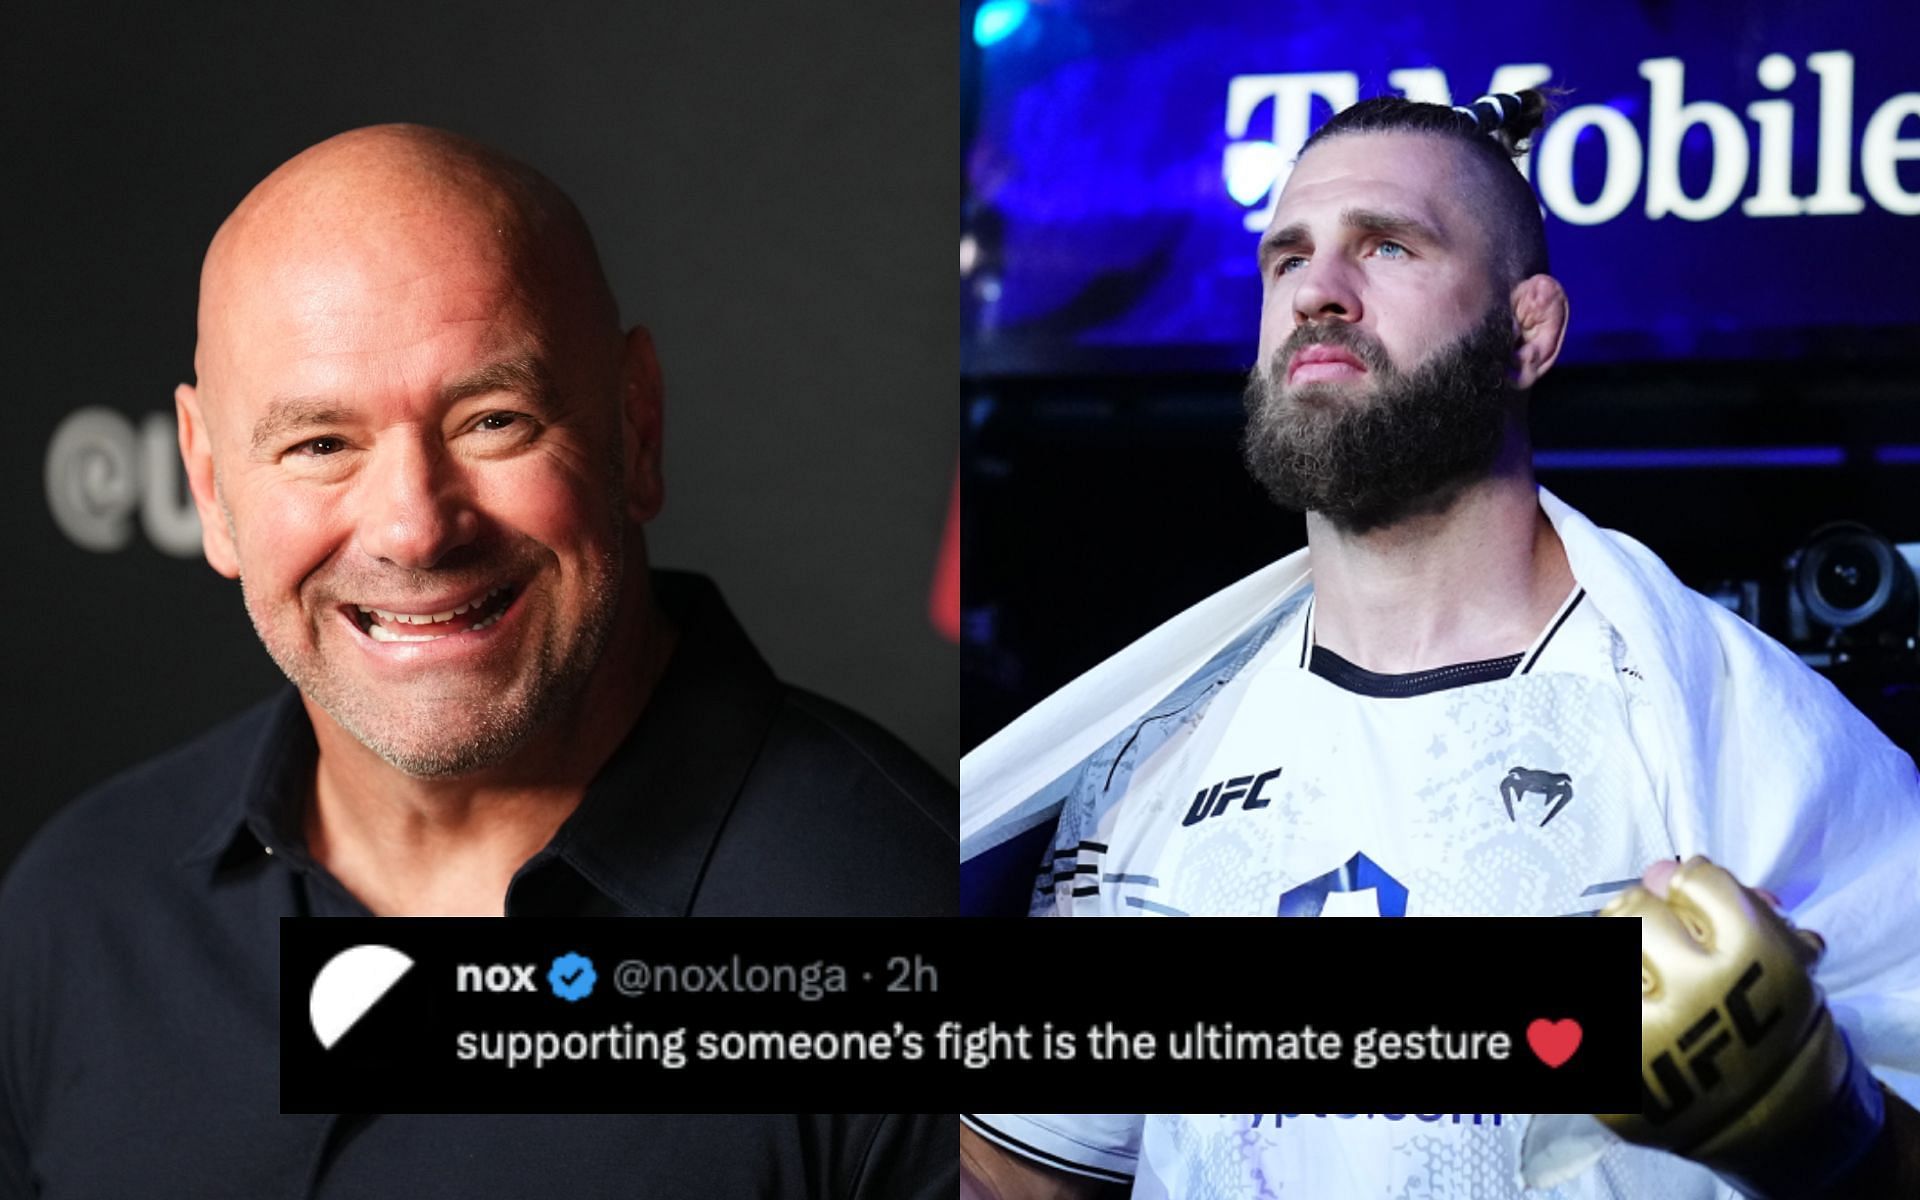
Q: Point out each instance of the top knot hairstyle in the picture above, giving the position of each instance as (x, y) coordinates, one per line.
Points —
(1508, 117)
(1495, 129)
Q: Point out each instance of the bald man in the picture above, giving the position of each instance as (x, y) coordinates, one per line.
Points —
(421, 442)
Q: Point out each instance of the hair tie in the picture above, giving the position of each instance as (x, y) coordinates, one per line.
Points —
(1491, 111)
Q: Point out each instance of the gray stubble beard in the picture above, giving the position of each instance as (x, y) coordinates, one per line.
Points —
(554, 691)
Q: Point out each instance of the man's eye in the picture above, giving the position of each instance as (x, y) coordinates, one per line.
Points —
(320, 446)
(1392, 250)
(1289, 262)
(503, 432)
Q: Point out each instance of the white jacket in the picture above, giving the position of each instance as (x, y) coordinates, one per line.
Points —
(1759, 762)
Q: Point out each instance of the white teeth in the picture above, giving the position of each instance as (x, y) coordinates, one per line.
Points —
(381, 633)
(430, 618)
(490, 620)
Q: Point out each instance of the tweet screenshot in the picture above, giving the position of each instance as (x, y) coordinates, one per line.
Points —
(476, 1015)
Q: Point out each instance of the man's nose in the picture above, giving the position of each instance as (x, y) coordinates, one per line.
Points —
(414, 505)
(1328, 290)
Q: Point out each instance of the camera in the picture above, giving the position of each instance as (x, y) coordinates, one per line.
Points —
(1847, 603)
(1846, 598)
(1851, 594)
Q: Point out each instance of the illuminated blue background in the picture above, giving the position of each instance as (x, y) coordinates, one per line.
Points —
(1105, 237)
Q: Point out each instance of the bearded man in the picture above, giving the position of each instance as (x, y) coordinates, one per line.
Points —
(1462, 698)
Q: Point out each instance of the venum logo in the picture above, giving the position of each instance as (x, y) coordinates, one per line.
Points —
(1255, 167)
(1211, 802)
(1554, 789)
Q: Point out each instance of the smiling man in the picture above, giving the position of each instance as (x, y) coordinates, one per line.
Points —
(1463, 698)
(422, 446)
(421, 442)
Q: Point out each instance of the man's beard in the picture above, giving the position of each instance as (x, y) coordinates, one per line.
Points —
(1409, 445)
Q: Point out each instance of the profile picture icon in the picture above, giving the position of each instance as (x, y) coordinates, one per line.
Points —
(351, 983)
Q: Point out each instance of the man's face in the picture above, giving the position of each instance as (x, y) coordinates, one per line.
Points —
(1385, 338)
(420, 475)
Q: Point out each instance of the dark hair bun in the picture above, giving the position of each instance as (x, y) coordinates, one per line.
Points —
(1510, 118)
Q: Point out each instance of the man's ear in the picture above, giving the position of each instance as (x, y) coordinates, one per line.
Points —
(640, 404)
(196, 451)
(1540, 313)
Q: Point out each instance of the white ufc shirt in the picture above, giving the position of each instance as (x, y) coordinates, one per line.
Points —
(1311, 787)
(1327, 1156)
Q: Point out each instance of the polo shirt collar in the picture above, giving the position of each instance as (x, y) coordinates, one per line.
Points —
(647, 827)
(266, 811)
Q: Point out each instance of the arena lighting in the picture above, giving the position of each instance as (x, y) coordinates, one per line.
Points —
(1661, 459)
(997, 19)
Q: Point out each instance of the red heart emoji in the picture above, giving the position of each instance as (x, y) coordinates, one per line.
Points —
(1554, 1041)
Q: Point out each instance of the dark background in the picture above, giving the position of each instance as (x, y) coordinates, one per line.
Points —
(772, 189)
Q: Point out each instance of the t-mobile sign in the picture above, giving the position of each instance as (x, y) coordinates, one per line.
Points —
(1713, 186)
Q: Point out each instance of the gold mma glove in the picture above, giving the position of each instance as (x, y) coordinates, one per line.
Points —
(1742, 1067)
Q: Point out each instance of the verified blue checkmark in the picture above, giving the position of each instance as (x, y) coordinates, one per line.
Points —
(571, 976)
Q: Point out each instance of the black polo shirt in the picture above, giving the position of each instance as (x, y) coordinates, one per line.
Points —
(139, 944)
